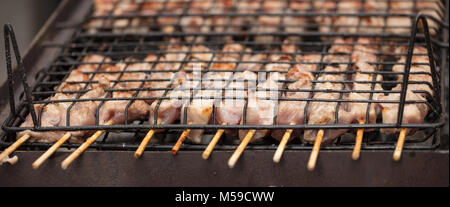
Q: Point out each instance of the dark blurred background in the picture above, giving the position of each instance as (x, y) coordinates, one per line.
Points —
(27, 17)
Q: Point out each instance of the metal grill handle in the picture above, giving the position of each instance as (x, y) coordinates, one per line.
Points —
(412, 40)
(10, 36)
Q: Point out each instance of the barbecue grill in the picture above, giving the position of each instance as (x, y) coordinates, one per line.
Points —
(69, 35)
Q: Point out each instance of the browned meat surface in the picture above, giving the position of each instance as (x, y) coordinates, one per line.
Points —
(366, 24)
(374, 24)
(52, 115)
(310, 61)
(195, 24)
(167, 23)
(321, 111)
(347, 23)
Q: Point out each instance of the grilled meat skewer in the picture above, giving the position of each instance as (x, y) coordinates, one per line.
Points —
(261, 106)
(200, 109)
(324, 112)
(363, 56)
(113, 110)
(167, 111)
(54, 114)
(292, 112)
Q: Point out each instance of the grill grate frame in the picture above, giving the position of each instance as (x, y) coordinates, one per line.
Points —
(136, 45)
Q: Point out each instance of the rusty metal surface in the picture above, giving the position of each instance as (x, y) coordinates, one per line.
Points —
(255, 168)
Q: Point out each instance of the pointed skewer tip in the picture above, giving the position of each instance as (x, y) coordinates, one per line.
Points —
(212, 143)
(358, 141)
(398, 149)
(143, 144)
(180, 140)
(282, 145)
(237, 153)
(315, 151)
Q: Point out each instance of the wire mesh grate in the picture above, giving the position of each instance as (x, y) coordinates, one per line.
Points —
(136, 51)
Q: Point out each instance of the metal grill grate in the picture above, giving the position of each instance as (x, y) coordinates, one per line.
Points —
(127, 31)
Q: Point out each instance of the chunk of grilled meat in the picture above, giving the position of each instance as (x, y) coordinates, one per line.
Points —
(116, 110)
(230, 110)
(261, 105)
(200, 109)
(167, 111)
(293, 112)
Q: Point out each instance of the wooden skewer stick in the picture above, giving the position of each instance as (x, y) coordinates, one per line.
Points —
(180, 140)
(51, 150)
(358, 142)
(213, 143)
(315, 151)
(237, 153)
(14, 146)
(398, 149)
(83, 147)
(144, 142)
(282, 145)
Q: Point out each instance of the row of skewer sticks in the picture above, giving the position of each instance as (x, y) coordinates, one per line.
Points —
(231, 162)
